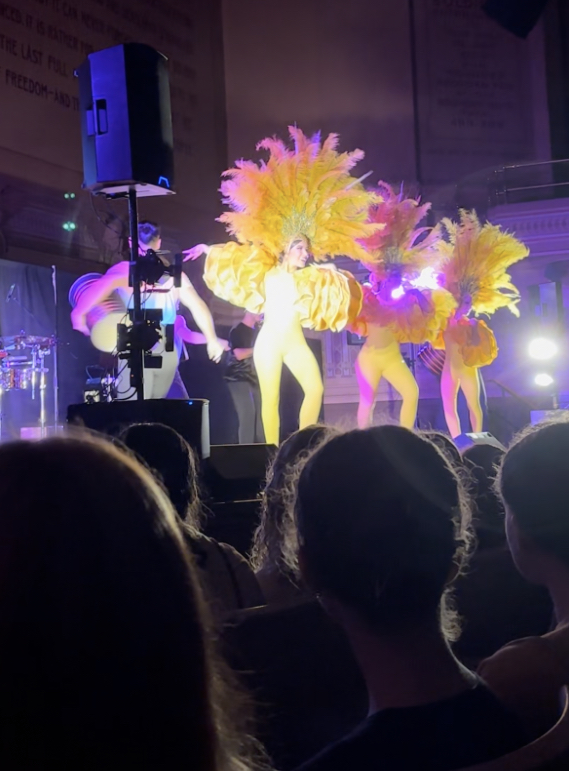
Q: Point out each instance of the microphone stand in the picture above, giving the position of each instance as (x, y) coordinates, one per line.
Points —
(15, 298)
(55, 353)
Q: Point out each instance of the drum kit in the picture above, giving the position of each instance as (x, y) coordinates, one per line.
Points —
(22, 368)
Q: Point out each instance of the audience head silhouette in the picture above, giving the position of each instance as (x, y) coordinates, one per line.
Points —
(170, 457)
(382, 526)
(534, 485)
(275, 538)
(105, 659)
(482, 462)
(446, 446)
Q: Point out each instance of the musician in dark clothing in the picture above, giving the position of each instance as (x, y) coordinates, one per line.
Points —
(242, 379)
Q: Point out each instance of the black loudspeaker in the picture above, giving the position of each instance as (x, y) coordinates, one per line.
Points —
(464, 441)
(190, 418)
(126, 121)
(517, 16)
(236, 472)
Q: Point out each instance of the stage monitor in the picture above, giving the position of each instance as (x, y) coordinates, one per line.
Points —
(464, 441)
(236, 472)
(189, 417)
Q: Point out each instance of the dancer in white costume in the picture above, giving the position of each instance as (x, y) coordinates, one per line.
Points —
(166, 381)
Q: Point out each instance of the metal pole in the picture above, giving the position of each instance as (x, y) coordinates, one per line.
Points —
(55, 356)
(416, 105)
(561, 331)
(136, 354)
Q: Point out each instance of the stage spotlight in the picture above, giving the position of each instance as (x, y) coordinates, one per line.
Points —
(543, 380)
(542, 348)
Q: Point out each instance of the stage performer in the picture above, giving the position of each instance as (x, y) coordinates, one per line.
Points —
(474, 269)
(166, 381)
(242, 380)
(300, 202)
(402, 301)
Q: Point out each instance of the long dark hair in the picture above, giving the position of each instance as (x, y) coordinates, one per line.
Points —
(382, 518)
(534, 484)
(105, 653)
(274, 542)
(171, 458)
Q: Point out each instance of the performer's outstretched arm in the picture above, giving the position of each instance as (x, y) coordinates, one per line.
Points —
(188, 335)
(114, 278)
(202, 316)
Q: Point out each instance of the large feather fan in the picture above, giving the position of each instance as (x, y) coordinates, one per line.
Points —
(400, 245)
(475, 261)
(305, 191)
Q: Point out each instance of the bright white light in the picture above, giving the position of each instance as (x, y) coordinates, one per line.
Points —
(427, 279)
(397, 293)
(543, 380)
(542, 349)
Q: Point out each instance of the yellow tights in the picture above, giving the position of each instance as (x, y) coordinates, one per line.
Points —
(269, 355)
(374, 363)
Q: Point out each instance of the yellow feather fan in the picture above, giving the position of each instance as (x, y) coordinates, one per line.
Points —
(304, 191)
(475, 261)
(400, 246)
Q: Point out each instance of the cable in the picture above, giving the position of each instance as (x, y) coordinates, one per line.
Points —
(107, 224)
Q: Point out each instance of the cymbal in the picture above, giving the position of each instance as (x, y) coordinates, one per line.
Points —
(16, 342)
(31, 341)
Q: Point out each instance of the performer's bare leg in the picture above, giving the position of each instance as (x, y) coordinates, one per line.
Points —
(304, 367)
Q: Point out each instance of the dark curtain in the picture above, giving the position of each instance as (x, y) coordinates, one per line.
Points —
(27, 306)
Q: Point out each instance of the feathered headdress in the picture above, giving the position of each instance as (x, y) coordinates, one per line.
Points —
(304, 191)
(475, 260)
(400, 245)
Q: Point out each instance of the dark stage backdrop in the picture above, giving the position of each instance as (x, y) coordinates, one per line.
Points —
(31, 309)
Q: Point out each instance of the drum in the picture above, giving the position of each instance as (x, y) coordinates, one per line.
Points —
(103, 319)
(16, 375)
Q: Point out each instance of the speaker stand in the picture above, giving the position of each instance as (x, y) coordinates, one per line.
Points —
(136, 359)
